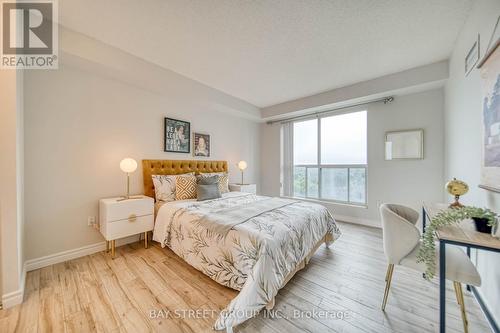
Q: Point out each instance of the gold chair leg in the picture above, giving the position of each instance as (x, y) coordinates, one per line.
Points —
(461, 302)
(146, 240)
(107, 246)
(388, 278)
(112, 248)
(457, 295)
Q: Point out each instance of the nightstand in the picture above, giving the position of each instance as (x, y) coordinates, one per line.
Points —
(123, 218)
(247, 188)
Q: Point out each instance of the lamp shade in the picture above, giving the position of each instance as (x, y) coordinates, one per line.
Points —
(242, 165)
(128, 165)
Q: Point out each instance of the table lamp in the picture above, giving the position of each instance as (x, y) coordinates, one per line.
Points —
(242, 165)
(128, 165)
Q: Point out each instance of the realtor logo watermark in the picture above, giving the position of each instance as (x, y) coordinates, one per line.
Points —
(29, 34)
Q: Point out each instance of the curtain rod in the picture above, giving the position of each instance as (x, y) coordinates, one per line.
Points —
(386, 100)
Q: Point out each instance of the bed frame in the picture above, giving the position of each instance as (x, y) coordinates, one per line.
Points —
(326, 239)
(176, 167)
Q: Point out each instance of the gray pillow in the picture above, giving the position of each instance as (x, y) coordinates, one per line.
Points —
(208, 180)
(207, 192)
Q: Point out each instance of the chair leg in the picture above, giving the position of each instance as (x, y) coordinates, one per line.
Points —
(388, 278)
(460, 300)
(457, 295)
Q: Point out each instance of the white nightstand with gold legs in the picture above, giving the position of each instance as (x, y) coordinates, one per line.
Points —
(123, 218)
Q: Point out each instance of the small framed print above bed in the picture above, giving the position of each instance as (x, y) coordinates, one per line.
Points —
(177, 137)
(201, 145)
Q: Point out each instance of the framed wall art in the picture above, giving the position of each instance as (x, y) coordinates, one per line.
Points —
(405, 144)
(472, 57)
(201, 144)
(177, 137)
(490, 79)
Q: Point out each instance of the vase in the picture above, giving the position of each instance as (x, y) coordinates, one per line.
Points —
(482, 225)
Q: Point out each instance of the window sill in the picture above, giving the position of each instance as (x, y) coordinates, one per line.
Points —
(330, 202)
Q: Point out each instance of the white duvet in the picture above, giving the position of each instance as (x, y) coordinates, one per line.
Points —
(254, 256)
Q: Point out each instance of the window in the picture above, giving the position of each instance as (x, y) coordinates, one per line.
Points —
(329, 158)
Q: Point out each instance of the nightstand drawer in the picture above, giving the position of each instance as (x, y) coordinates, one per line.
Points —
(128, 227)
(114, 210)
(247, 188)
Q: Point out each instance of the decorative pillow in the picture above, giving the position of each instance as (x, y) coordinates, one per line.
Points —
(208, 180)
(165, 186)
(223, 180)
(207, 192)
(185, 187)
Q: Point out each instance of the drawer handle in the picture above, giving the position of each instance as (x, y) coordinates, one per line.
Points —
(132, 218)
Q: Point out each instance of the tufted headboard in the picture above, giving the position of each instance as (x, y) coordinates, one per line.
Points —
(176, 167)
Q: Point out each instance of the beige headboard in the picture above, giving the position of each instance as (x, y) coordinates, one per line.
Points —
(176, 167)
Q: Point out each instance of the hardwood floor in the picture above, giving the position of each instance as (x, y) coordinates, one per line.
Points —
(96, 293)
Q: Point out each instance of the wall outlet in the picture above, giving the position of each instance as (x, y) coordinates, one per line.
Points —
(91, 221)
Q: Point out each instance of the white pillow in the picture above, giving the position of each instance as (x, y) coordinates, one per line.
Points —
(223, 181)
(165, 186)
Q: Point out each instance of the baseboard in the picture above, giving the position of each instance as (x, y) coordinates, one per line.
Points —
(16, 297)
(56, 258)
(358, 220)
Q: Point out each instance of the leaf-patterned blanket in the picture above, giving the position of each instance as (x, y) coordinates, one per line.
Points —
(254, 256)
(223, 220)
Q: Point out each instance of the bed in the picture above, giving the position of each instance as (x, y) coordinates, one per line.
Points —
(269, 241)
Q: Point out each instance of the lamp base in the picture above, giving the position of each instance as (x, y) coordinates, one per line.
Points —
(456, 204)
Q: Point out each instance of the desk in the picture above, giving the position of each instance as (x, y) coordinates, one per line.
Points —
(462, 235)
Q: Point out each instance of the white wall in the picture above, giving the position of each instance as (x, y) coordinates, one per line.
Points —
(11, 189)
(82, 119)
(406, 182)
(463, 119)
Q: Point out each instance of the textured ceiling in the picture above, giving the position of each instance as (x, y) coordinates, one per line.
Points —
(267, 52)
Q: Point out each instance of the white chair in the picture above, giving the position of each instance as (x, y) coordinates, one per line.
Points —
(401, 245)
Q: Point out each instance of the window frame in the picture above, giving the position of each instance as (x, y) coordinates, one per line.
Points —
(320, 166)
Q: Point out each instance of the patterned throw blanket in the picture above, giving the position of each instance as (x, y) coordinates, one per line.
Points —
(223, 220)
(266, 241)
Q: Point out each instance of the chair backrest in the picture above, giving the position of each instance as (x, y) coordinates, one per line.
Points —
(399, 231)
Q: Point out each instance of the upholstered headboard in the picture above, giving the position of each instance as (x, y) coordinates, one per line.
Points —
(176, 167)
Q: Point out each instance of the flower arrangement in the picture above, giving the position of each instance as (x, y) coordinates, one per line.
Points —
(427, 252)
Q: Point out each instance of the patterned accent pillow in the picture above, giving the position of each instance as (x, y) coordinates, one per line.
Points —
(223, 180)
(165, 186)
(185, 187)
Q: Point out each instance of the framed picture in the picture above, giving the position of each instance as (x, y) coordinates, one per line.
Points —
(406, 144)
(490, 78)
(201, 145)
(177, 136)
(472, 57)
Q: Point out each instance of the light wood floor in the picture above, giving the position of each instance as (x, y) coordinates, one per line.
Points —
(96, 293)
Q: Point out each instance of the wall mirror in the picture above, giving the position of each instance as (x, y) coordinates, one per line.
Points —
(405, 144)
